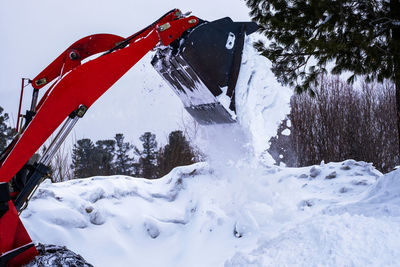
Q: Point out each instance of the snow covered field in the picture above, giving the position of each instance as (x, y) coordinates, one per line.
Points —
(236, 209)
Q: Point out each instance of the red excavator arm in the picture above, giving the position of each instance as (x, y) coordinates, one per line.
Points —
(78, 86)
(200, 60)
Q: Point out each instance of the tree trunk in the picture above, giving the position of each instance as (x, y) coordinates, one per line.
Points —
(395, 50)
(397, 84)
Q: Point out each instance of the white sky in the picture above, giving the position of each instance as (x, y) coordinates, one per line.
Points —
(33, 33)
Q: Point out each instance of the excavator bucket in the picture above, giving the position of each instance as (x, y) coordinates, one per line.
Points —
(202, 68)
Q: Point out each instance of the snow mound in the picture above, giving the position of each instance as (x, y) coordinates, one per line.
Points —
(199, 215)
(382, 199)
(328, 241)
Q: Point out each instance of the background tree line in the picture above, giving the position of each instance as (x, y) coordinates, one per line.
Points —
(116, 156)
(340, 122)
(308, 39)
(6, 132)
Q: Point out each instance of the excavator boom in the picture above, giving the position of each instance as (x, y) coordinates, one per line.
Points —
(73, 86)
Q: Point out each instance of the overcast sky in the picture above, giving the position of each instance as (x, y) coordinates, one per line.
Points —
(33, 33)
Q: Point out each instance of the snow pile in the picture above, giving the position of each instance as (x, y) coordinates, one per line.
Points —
(201, 216)
(382, 199)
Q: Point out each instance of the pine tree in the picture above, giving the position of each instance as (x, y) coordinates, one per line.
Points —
(123, 164)
(105, 150)
(148, 156)
(84, 161)
(178, 152)
(362, 37)
(6, 132)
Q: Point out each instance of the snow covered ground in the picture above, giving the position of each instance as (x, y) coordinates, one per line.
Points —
(236, 209)
(336, 214)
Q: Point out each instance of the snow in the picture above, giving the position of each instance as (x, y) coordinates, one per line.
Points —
(383, 199)
(197, 94)
(225, 101)
(235, 209)
(286, 132)
(237, 216)
(262, 102)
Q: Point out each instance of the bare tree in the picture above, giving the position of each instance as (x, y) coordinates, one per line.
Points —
(60, 165)
(341, 122)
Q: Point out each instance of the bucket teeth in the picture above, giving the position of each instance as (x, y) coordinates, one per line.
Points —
(203, 65)
(212, 113)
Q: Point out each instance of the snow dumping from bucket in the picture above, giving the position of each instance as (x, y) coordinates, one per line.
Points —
(261, 101)
(261, 104)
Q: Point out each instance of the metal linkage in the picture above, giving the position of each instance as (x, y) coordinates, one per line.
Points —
(62, 134)
(41, 169)
(4, 198)
(33, 182)
(24, 83)
(32, 111)
(6, 257)
(35, 96)
(58, 140)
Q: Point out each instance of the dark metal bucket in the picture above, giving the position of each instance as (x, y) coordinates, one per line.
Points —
(203, 66)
